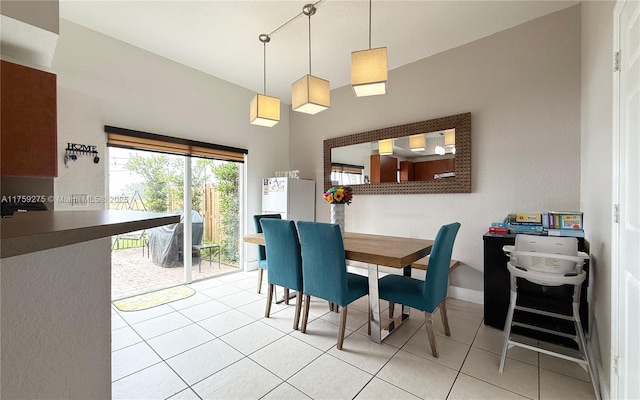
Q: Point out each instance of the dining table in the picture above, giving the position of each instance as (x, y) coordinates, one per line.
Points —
(376, 251)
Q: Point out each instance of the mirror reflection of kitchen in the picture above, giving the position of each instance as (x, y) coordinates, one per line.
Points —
(420, 157)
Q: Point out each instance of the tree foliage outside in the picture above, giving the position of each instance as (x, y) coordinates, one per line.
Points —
(227, 183)
(158, 172)
(164, 179)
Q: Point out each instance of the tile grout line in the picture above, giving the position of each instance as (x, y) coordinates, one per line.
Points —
(464, 360)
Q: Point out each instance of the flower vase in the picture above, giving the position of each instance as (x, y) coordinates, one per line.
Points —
(337, 216)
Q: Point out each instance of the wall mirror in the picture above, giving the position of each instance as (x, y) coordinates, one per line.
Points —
(432, 156)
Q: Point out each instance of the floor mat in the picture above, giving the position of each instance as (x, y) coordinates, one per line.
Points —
(153, 299)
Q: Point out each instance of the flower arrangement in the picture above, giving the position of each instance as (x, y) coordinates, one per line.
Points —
(338, 195)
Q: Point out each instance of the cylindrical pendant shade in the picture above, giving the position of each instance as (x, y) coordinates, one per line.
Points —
(369, 72)
(385, 147)
(450, 137)
(310, 95)
(264, 110)
(417, 142)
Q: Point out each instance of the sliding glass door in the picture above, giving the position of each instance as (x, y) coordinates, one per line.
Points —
(152, 181)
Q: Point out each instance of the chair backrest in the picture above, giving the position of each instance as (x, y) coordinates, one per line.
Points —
(283, 248)
(546, 247)
(324, 267)
(262, 254)
(437, 280)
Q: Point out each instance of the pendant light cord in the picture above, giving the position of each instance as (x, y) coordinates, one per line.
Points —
(369, 24)
(264, 72)
(309, 44)
(292, 19)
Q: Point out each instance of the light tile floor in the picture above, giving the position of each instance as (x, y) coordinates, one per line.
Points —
(218, 345)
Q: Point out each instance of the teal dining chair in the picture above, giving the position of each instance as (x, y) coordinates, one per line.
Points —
(285, 262)
(430, 294)
(324, 271)
(262, 254)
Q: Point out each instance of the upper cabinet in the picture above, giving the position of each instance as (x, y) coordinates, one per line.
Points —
(29, 122)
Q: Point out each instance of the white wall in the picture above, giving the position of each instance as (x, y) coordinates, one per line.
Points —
(596, 161)
(522, 87)
(103, 81)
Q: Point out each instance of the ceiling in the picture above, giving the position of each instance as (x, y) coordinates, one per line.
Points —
(220, 38)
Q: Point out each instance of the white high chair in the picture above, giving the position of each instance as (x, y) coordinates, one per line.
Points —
(548, 261)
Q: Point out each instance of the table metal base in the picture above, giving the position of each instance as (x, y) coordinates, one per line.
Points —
(379, 332)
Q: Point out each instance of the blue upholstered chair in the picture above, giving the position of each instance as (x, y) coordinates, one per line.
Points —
(262, 254)
(427, 295)
(285, 262)
(324, 270)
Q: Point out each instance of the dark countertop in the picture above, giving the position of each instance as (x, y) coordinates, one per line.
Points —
(41, 230)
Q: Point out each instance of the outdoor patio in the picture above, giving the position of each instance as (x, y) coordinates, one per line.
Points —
(133, 273)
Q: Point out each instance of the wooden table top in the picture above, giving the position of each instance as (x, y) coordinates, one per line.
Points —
(390, 251)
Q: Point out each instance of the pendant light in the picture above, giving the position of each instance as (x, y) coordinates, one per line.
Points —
(450, 137)
(264, 110)
(369, 72)
(417, 142)
(450, 140)
(439, 150)
(385, 147)
(310, 94)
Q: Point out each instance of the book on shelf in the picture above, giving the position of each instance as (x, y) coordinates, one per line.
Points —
(528, 219)
(499, 230)
(566, 232)
(525, 228)
(565, 220)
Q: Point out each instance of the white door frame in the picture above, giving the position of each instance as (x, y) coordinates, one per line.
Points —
(615, 233)
(617, 270)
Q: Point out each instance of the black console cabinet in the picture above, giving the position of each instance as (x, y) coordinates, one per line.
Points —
(497, 287)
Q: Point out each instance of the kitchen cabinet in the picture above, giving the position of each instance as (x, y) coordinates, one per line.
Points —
(29, 122)
(406, 171)
(383, 169)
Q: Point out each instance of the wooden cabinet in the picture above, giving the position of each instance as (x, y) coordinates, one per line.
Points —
(406, 171)
(29, 122)
(425, 170)
(497, 288)
(383, 169)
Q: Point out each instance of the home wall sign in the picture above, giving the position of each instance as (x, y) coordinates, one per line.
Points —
(74, 150)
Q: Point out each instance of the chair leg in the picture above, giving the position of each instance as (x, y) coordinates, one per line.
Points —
(260, 271)
(507, 328)
(445, 320)
(296, 318)
(305, 314)
(286, 296)
(267, 311)
(428, 319)
(369, 323)
(343, 325)
(392, 306)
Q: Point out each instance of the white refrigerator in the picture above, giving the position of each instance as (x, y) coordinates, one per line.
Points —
(294, 199)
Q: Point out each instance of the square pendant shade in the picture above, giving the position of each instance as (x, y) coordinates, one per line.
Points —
(385, 147)
(369, 72)
(417, 142)
(264, 110)
(450, 137)
(310, 95)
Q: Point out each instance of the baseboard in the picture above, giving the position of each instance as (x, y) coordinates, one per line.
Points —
(596, 358)
(251, 265)
(470, 295)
